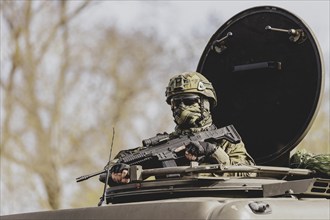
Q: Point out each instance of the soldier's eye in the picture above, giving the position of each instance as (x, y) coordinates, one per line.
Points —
(187, 101)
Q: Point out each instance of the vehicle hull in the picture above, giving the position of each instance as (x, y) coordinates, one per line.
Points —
(195, 208)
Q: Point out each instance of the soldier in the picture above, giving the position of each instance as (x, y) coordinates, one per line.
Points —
(191, 97)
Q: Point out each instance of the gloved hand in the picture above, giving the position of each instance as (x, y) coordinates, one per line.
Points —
(119, 173)
(197, 149)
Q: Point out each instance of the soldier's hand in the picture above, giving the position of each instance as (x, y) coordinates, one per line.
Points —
(197, 149)
(119, 173)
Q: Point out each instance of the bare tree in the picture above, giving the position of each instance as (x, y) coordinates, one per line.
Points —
(63, 92)
(33, 94)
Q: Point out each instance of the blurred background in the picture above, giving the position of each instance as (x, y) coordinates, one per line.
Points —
(71, 71)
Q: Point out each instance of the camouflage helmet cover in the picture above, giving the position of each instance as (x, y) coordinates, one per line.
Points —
(190, 82)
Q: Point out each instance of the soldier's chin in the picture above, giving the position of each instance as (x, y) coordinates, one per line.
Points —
(189, 124)
(194, 124)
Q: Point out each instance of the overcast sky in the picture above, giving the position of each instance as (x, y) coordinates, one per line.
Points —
(183, 15)
(176, 17)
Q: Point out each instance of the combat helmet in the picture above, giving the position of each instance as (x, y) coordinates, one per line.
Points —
(190, 82)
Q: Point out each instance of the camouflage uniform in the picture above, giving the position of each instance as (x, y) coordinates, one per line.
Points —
(195, 83)
(191, 97)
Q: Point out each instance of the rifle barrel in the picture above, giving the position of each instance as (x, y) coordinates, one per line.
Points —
(86, 177)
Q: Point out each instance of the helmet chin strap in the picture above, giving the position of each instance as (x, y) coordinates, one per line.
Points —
(205, 112)
(201, 105)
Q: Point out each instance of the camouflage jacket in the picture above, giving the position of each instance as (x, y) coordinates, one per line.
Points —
(227, 153)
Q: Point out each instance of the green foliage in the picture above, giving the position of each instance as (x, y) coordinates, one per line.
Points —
(319, 163)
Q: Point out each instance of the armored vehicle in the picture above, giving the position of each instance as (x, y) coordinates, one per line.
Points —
(267, 69)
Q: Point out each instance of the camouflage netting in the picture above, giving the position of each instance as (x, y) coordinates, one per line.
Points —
(319, 163)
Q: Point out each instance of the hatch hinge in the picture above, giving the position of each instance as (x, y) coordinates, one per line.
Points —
(220, 45)
(295, 35)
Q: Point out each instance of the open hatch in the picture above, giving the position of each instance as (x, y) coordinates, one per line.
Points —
(266, 67)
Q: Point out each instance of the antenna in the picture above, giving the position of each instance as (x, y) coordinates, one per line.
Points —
(102, 198)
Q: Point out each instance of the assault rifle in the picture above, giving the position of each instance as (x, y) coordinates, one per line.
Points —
(164, 150)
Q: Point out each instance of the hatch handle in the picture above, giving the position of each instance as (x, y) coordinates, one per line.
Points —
(262, 65)
(296, 35)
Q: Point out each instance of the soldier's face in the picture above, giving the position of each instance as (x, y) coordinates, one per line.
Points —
(186, 110)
